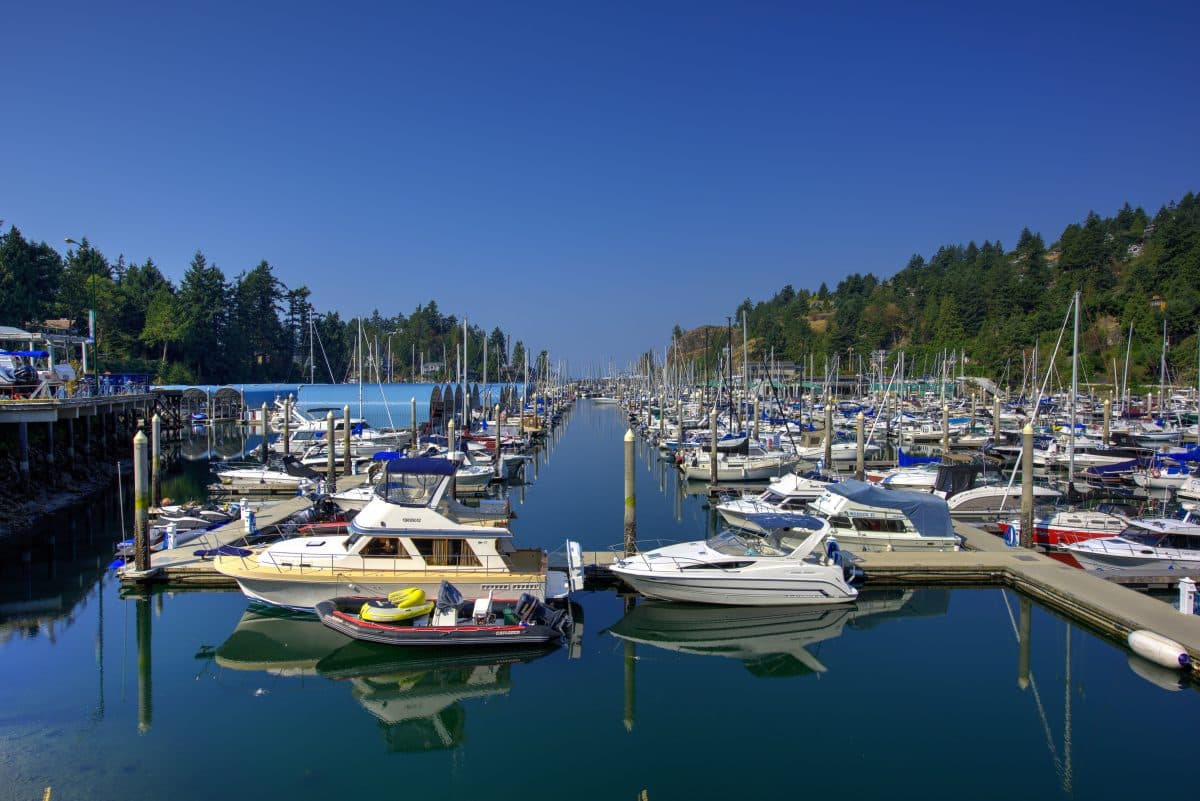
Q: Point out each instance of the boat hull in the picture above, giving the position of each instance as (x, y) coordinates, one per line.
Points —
(741, 591)
(333, 613)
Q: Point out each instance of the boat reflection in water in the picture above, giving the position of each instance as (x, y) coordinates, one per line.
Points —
(770, 641)
(414, 693)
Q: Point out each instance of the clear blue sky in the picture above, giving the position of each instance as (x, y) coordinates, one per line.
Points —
(584, 175)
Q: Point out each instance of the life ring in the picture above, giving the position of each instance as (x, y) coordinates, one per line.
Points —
(1155, 472)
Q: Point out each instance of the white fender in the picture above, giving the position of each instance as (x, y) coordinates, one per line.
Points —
(1158, 649)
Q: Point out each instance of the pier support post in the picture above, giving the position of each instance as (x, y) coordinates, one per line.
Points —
(155, 460)
(451, 457)
(330, 462)
(141, 502)
(1023, 650)
(347, 450)
(52, 474)
(1027, 486)
(712, 454)
(415, 445)
(496, 450)
(860, 471)
(266, 434)
(287, 426)
(23, 448)
(945, 431)
(829, 433)
(1107, 420)
(630, 495)
(145, 702)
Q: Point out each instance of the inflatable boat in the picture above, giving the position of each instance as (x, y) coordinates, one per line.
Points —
(451, 620)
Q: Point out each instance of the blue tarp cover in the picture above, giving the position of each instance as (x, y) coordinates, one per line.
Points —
(773, 520)
(929, 513)
(421, 466)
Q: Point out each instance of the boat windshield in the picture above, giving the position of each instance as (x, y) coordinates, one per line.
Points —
(738, 543)
(409, 489)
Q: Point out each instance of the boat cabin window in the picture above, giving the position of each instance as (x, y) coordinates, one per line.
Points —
(409, 489)
(840, 521)
(446, 552)
(385, 546)
(890, 525)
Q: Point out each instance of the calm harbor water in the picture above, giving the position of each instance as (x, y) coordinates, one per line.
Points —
(914, 694)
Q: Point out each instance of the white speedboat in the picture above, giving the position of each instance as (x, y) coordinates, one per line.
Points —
(1148, 546)
(286, 472)
(755, 465)
(992, 501)
(869, 518)
(400, 539)
(788, 493)
(735, 568)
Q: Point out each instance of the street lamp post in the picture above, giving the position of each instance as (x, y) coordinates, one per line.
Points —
(91, 320)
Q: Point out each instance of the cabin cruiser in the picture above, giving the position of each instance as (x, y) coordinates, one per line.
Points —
(400, 539)
(1147, 546)
(753, 465)
(788, 493)
(785, 567)
(1061, 527)
(869, 518)
(285, 472)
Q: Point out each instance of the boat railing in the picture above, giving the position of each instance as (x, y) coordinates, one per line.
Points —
(298, 562)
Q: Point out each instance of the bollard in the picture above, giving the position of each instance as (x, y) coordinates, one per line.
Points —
(330, 465)
(141, 502)
(155, 460)
(712, 456)
(1027, 486)
(1187, 596)
(630, 496)
(860, 471)
(266, 433)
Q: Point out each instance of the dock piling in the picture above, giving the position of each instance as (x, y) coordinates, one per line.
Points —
(945, 430)
(266, 434)
(631, 494)
(1023, 645)
(155, 460)
(712, 456)
(829, 432)
(330, 460)
(996, 416)
(859, 469)
(145, 702)
(141, 502)
(412, 412)
(347, 454)
(287, 426)
(1107, 420)
(1027, 486)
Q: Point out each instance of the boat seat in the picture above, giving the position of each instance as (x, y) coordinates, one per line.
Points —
(482, 612)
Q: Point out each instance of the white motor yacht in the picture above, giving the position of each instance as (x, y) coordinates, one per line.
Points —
(788, 493)
(734, 568)
(400, 539)
(1148, 546)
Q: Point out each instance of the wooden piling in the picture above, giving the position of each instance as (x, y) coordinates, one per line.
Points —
(712, 455)
(859, 469)
(141, 502)
(1107, 420)
(347, 450)
(945, 430)
(1027, 486)
(155, 460)
(330, 459)
(631, 494)
(756, 417)
(287, 426)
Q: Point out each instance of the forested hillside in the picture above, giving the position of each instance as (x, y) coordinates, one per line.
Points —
(210, 329)
(993, 303)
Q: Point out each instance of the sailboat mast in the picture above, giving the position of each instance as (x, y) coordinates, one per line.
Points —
(1162, 377)
(1074, 393)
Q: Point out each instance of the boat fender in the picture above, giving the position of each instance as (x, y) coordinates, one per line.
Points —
(834, 552)
(407, 597)
(1155, 473)
(1159, 649)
